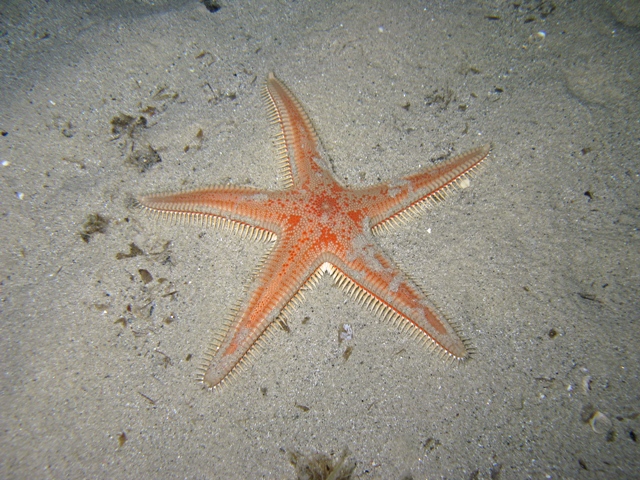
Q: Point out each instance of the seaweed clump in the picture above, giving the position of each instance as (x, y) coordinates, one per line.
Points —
(319, 466)
(95, 223)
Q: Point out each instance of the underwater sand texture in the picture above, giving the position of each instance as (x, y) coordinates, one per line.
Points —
(106, 312)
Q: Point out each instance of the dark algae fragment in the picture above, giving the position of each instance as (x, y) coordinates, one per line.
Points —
(95, 223)
(211, 5)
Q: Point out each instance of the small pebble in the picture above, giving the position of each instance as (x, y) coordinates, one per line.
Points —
(600, 423)
(464, 182)
(347, 332)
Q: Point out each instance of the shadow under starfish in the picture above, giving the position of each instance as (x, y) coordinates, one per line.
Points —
(317, 225)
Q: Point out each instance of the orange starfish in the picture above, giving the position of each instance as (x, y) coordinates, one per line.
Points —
(317, 225)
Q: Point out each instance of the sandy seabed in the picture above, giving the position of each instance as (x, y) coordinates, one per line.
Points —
(106, 312)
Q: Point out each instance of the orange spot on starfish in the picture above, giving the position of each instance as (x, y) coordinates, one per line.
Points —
(317, 225)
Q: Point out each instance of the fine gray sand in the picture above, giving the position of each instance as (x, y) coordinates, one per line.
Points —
(106, 312)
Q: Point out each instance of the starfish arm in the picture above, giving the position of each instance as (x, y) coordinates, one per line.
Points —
(298, 142)
(371, 276)
(271, 293)
(242, 208)
(395, 199)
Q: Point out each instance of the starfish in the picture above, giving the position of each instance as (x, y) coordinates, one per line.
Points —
(316, 225)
